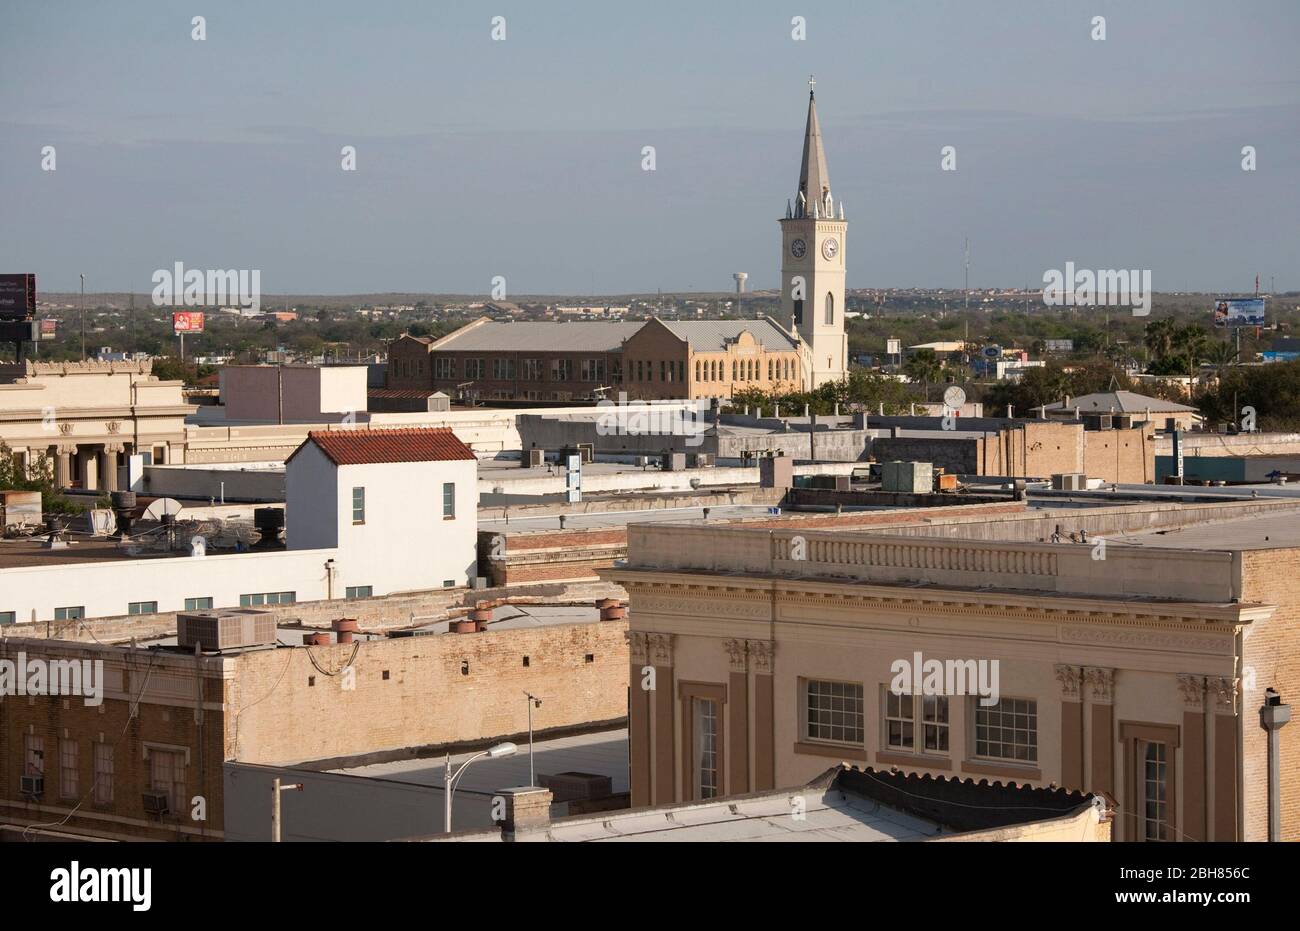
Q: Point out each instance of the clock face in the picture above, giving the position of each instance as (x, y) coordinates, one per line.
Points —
(829, 248)
(798, 248)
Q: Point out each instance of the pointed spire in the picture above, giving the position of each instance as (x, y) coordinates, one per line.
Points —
(788, 212)
(814, 179)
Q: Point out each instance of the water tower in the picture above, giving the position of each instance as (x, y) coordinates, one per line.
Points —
(740, 277)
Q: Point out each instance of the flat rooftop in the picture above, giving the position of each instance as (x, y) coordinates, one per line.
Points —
(623, 518)
(1270, 532)
(602, 753)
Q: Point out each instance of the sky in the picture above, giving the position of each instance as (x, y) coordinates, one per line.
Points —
(522, 157)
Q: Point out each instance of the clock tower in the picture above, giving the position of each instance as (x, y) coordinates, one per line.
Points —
(812, 263)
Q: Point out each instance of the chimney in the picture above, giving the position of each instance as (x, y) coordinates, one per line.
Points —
(344, 628)
(611, 609)
(527, 808)
(319, 639)
(475, 621)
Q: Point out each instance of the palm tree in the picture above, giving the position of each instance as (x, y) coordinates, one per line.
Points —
(1221, 355)
(923, 366)
(1191, 344)
(1159, 337)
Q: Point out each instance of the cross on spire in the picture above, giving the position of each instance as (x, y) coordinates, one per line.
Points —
(812, 85)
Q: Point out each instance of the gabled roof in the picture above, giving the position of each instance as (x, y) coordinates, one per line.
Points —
(1119, 402)
(365, 447)
(485, 335)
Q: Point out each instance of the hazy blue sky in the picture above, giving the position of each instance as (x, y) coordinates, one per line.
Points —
(522, 158)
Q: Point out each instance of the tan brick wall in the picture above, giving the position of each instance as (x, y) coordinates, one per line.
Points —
(1272, 652)
(425, 699)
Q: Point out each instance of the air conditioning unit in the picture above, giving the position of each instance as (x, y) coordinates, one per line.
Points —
(700, 460)
(155, 803)
(225, 629)
(32, 786)
(534, 458)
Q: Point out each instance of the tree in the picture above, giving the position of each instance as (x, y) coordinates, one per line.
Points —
(1159, 337)
(923, 366)
(38, 476)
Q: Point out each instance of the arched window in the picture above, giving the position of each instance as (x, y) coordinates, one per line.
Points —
(697, 370)
(830, 309)
(798, 312)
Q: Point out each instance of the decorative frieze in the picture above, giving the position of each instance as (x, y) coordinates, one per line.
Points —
(1223, 693)
(661, 649)
(737, 655)
(637, 648)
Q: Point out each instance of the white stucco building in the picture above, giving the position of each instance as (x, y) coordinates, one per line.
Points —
(368, 512)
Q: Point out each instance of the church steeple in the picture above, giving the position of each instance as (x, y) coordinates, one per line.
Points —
(814, 179)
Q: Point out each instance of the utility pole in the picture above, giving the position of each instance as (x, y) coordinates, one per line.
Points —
(276, 789)
(967, 274)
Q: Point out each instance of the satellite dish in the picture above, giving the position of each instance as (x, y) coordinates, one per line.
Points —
(160, 506)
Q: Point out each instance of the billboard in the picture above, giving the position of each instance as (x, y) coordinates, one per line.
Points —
(187, 321)
(1233, 311)
(893, 347)
(49, 329)
(17, 297)
(1058, 345)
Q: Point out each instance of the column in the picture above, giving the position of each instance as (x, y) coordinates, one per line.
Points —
(1072, 754)
(660, 648)
(640, 753)
(63, 465)
(108, 463)
(760, 660)
(1223, 696)
(1195, 766)
(1100, 685)
(738, 717)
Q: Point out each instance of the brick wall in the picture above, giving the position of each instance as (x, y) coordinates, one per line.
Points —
(1272, 652)
(428, 697)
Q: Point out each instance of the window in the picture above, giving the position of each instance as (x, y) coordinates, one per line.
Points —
(593, 370)
(899, 722)
(198, 604)
(358, 505)
(532, 370)
(167, 774)
(561, 369)
(70, 614)
(359, 591)
(1007, 730)
(142, 607)
(699, 368)
(474, 368)
(830, 308)
(448, 583)
(705, 732)
(8, 617)
(834, 711)
(798, 311)
(448, 500)
(267, 598)
(444, 367)
(1155, 792)
(103, 774)
(67, 768)
(503, 369)
(33, 755)
(934, 723)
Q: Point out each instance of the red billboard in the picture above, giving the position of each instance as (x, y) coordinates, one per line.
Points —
(187, 321)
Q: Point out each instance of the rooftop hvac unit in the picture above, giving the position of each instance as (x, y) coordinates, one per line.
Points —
(535, 458)
(32, 786)
(1096, 421)
(1069, 481)
(701, 460)
(231, 629)
(155, 803)
(643, 461)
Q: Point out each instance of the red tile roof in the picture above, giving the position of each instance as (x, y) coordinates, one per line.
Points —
(361, 447)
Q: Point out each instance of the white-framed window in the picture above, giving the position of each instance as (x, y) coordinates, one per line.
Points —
(503, 369)
(561, 370)
(167, 774)
(474, 368)
(532, 370)
(360, 591)
(70, 614)
(705, 731)
(1007, 730)
(910, 716)
(260, 599)
(199, 604)
(900, 721)
(358, 505)
(448, 500)
(444, 367)
(593, 370)
(1155, 791)
(142, 607)
(68, 768)
(833, 711)
(104, 774)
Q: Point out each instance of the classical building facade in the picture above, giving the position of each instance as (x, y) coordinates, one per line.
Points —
(759, 655)
(84, 417)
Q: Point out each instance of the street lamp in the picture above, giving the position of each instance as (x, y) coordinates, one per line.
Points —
(533, 702)
(450, 779)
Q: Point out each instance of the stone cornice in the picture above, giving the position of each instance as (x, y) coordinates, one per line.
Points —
(752, 597)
